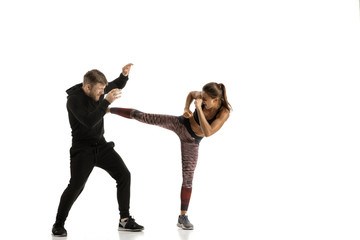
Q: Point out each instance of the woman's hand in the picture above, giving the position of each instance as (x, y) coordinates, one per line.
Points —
(187, 113)
(198, 103)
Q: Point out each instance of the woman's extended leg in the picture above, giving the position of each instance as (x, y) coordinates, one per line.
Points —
(166, 121)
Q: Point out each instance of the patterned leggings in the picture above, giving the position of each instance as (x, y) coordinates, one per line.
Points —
(189, 145)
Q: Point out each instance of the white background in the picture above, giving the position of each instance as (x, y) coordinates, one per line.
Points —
(284, 166)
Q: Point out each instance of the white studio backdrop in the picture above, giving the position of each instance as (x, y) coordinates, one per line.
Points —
(286, 163)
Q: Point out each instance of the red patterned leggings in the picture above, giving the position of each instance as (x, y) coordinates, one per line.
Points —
(189, 145)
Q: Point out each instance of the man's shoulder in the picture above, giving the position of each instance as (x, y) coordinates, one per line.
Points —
(78, 98)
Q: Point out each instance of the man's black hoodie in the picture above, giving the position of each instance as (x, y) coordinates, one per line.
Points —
(86, 116)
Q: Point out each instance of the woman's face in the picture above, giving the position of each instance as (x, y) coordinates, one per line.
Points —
(208, 101)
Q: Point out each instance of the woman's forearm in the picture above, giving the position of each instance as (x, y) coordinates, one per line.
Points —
(204, 124)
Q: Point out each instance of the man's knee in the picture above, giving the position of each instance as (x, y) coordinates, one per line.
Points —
(124, 176)
(76, 185)
(127, 175)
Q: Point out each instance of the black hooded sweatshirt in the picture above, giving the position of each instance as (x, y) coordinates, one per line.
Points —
(86, 116)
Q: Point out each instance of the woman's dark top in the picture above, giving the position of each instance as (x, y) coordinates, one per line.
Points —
(196, 117)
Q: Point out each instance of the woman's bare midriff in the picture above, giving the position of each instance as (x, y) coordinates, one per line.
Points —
(195, 127)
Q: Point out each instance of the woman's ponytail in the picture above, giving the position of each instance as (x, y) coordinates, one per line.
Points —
(224, 100)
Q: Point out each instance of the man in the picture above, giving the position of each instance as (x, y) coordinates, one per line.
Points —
(86, 107)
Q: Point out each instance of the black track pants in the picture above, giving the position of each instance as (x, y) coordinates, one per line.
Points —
(82, 162)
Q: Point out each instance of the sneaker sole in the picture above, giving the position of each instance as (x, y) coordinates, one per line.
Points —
(59, 236)
(183, 227)
(129, 230)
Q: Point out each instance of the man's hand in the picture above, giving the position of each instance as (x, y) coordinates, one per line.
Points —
(187, 113)
(126, 69)
(113, 95)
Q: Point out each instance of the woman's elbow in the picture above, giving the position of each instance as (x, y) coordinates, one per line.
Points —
(208, 134)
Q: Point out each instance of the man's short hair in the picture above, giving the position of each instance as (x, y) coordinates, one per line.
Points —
(93, 77)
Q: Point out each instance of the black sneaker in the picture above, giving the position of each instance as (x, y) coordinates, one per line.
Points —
(184, 223)
(58, 230)
(130, 225)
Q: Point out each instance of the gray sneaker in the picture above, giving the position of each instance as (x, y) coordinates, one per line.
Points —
(184, 223)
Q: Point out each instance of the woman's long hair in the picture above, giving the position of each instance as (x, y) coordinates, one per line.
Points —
(217, 90)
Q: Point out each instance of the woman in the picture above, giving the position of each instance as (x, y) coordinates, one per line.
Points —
(212, 110)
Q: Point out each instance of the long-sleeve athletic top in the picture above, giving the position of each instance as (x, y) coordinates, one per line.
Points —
(86, 116)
